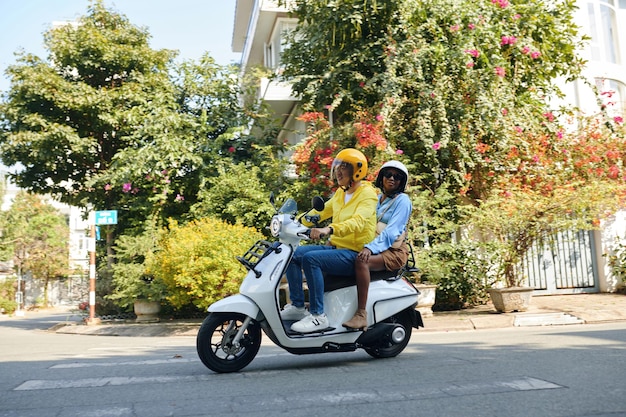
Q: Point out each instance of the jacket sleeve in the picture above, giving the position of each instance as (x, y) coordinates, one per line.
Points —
(395, 227)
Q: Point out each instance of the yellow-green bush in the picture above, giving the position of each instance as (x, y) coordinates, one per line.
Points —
(197, 261)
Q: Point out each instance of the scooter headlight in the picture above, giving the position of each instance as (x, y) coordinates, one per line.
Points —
(275, 226)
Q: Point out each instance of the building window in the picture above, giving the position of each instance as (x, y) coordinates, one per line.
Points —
(278, 42)
(603, 29)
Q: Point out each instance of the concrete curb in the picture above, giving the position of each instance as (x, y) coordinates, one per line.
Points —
(557, 310)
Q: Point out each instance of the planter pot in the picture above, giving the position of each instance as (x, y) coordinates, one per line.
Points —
(426, 299)
(147, 311)
(506, 300)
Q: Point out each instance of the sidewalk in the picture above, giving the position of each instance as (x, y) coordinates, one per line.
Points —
(549, 310)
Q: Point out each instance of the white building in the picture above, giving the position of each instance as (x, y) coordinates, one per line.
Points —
(259, 27)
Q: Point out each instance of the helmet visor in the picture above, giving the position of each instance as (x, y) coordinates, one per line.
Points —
(340, 165)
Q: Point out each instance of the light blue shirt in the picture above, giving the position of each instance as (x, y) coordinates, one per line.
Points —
(395, 212)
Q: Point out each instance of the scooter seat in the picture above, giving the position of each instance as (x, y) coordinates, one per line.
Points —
(335, 282)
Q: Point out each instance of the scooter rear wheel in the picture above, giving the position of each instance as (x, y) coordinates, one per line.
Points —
(388, 349)
(215, 347)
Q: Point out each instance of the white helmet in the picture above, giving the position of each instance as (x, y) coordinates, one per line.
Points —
(395, 165)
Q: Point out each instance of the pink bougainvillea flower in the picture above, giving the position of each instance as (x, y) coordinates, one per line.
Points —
(454, 28)
(535, 158)
(501, 3)
(505, 111)
(436, 146)
(471, 26)
(526, 50)
(379, 117)
(508, 40)
(179, 197)
(535, 54)
(127, 187)
(231, 149)
(362, 84)
(399, 151)
(500, 72)
(473, 52)
(618, 119)
(559, 134)
(107, 187)
(470, 64)
(517, 16)
(613, 172)
(549, 116)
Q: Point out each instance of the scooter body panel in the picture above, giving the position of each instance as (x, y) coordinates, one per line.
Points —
(237, 303)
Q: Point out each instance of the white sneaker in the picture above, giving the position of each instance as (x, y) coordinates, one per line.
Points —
(311, 323)
(291, 312)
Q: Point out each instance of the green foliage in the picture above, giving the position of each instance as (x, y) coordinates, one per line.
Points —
(35, 233)
(131, 278)
(124, 125)
(461, 272)
(7, 295)
(451, 79)
(197, 261)
(239, 194)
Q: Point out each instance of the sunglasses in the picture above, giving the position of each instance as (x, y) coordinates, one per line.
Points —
(396, 176)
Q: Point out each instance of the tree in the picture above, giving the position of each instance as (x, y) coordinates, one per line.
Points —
(109, 123)
(450, 79)
(38, 236)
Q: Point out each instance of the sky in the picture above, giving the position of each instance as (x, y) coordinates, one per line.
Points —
(190, 26)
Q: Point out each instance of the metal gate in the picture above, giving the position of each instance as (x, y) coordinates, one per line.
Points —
(563, 263)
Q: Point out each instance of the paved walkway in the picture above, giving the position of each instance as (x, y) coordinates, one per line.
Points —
(551, 310)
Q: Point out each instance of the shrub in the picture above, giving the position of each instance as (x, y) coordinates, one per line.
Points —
(7, 296)
(197, 261)
(461, 272)
(131, 278)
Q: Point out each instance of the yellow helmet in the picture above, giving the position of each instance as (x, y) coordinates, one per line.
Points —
(355, 159)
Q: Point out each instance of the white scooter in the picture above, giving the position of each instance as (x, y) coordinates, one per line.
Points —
(230, 336)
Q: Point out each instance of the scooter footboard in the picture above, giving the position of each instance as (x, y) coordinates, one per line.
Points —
(237, 303)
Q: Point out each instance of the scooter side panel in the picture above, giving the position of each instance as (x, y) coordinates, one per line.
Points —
(388, 298)
(235, 304)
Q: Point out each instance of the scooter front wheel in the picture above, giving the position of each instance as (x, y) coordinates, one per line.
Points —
(215, 342)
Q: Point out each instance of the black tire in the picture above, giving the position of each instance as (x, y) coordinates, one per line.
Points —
(214, 342)
(387, 349)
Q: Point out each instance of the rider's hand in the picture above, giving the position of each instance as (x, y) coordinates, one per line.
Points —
(319, 232)
(364, 255)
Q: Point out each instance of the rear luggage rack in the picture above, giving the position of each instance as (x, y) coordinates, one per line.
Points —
(256, 253)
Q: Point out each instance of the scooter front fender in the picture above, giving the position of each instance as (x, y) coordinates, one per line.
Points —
(237, 303)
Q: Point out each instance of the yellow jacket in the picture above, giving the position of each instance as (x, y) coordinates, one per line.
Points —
(353, 223)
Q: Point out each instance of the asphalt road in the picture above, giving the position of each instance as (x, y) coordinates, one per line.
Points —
(561, 371)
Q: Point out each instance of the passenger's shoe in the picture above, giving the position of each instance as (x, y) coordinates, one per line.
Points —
(311, 323)
(291, 312)
(359, 321)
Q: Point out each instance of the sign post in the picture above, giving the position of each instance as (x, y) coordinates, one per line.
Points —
(107, 217)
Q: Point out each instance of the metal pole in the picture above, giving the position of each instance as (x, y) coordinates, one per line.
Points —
(92, 273)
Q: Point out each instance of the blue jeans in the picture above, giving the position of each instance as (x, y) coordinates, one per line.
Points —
(315, 260)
